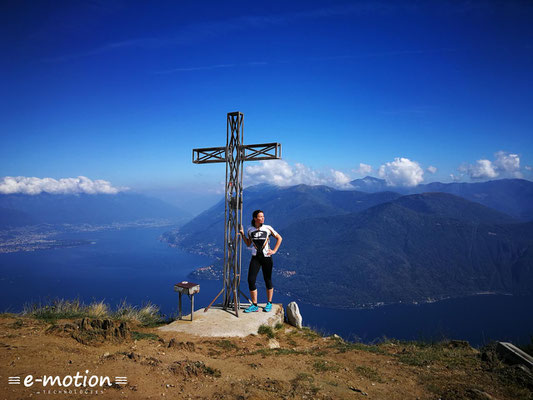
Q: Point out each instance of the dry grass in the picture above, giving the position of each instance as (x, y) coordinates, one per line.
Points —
(147, 315)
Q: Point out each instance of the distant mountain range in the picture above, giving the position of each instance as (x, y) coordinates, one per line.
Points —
(512, 196)
(350, 248)
(21, 209)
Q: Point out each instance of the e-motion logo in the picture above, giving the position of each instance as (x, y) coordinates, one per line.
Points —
(68, 381)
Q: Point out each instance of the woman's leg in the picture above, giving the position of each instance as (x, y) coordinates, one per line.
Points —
(253, 270)
(267, 275)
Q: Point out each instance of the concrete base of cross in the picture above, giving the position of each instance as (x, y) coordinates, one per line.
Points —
(219, 323)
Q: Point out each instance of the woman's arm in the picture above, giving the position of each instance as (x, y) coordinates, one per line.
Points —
(278, 243)
(247, 240)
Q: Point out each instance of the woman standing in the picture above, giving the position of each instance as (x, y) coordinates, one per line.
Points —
(258, 235)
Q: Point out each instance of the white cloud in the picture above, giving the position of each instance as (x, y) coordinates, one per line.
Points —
(529, 168)
(401, 172)
(431, 169)
(364, 169)
(508, 164)
(281, 173)
(482, 169)
(505, 165)
(31, 185)
(340, 179)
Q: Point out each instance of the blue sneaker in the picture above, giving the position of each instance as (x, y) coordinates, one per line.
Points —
(252, 308)
(268, 307)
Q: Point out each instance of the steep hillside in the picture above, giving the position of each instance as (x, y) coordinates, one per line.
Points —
(411, 249)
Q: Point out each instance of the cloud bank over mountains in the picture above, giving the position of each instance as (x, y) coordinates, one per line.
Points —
(505, 165)
(281, 173)
(34, 186)
(401, 172)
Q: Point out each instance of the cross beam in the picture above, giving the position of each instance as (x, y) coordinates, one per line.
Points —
(252, 152)
(234, 154)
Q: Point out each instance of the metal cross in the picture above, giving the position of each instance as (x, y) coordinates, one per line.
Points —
(234, 154)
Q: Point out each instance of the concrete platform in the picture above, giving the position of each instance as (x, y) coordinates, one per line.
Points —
(219, 323)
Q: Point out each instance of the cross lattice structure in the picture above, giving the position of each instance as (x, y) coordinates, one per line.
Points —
(234, 154)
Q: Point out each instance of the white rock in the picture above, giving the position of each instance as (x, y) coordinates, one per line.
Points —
(273, 344)
(293, 314)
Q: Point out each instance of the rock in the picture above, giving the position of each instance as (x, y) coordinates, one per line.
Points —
(273, 344)
(293, 315)
(133, 356)
(358, 390)
(91, 331)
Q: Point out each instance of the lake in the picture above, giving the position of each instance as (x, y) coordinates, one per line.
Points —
(132, 265)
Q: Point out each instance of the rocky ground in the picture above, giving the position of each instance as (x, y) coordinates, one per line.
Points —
(282, 363)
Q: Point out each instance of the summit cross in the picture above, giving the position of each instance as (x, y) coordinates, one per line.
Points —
(234, 154)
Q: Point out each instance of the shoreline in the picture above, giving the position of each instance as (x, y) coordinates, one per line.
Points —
(211, 273)
(42, 237)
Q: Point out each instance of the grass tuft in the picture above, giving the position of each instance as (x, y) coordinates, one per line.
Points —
(369, 373)
(310, 334)
(148, 315)
(141, 335)
(225, 344)
(266, 330)
(17, 324)
(276, 352)
(325, 366)
(56, 310)
(342, 347)
(98, 310)
(305, 381)
(420, 354)
(215, 372)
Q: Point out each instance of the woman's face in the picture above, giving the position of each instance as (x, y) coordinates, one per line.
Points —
(260, 219)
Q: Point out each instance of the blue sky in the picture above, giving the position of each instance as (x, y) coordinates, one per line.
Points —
(122, 91)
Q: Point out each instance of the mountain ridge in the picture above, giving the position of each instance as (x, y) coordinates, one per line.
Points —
(512, 196)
